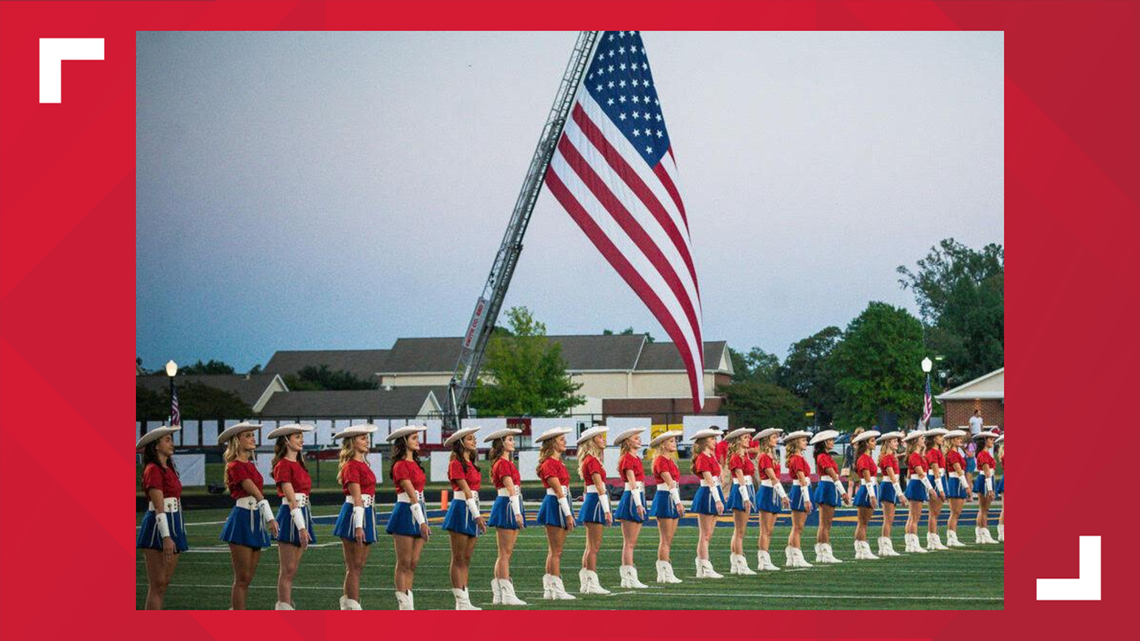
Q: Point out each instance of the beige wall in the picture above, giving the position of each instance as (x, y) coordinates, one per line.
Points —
(597, 385)
(667, 385)
(405, 380)
(603, 384)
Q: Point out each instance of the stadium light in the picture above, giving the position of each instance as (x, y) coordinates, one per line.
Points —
(171, 368)
(927, 364)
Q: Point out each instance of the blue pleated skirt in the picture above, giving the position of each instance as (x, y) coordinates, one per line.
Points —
(980, 484)
(768, 501)
(458, 519)
(502, 516)
(916, 491)
(627, 509)
(344, 529)
(401, 521)
(704, 501)
(244, 527)
(796, 498)
(591, 511)
(887, 492)
(826, 494)
(148, 537)
(549, 513)
(286, 533)
(663, 507)
(736, 496)
(862, 497)
(934, 485)
(955, 488)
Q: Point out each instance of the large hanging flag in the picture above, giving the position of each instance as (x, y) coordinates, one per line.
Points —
(615, 174)
(175, 414)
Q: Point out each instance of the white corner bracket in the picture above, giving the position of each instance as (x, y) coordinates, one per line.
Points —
(53, 51)
(1086, 587)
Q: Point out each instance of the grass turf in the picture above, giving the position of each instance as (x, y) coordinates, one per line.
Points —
(912, 581)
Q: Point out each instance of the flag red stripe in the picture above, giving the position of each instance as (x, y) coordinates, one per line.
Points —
(631, 277)
(637, 186)
(636, 233)
(663, 176)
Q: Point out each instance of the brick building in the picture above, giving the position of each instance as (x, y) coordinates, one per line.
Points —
(986, 393)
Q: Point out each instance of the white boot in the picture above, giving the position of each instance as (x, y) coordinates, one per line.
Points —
(764, 562)
(665, 573)
(952, 539)
(411, 599)
(1001, 533)
(629, 578)
(887, 547)
(828, 553)
(343, 605)
(558, 589)
(740, 565)
(547, 592)
(912, 544)
(404, 600)
(350, 604)
(583, 581)
(700, 569)
(987, 537)
(281, 605)
(462, 600)
(590, 583)
(819, 553)
(496, 592)
(708, 571)
(794, 558)
(934, 542)
(863, 551)
(507, 591)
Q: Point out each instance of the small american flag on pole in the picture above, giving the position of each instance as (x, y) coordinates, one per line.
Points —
(615, 174)
(927, 404)
(175, 415)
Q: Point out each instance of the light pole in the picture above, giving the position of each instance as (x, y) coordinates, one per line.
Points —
(927, 401)
(171, 372)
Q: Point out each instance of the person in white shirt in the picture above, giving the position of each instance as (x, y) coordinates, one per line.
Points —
(976, 424)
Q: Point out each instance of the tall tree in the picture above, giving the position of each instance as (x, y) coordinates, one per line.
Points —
(878, 365)
(961, 297)
(320, 377)
(756, 365)
(808, 372)
(211, 367)
(754, 403)
(524, 373)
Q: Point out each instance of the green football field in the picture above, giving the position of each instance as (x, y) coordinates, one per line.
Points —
(968, 578)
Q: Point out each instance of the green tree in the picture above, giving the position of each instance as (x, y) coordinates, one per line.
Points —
(809, 373)
(150, 405)
(878, 367)
(627, 332)
(524, 373)
(256, 369)
(199, 401)
(961, 297)
(212, 367)
(754, 403)
(320, 377)
(757, 365)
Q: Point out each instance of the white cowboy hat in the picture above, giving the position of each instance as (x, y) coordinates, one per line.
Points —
(498, 434)
(938, 431)
(738, 432)
(955, 433)
(823, 436)
(354, 430)
(591, 433)
(865, 435)
(768, 432)
(156, 434)
(797, 434)
(890, 435)
(627, 433)
(912, 436)
(552, 433)
(985, 435)
(229, 433)
(405, 431)
(286, 430)
(1000, 439)
(665, 436)
(699, 434)
(460, 434)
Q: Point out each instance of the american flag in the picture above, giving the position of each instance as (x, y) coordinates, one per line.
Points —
(615, 174)
(175, 415)
(927, 403)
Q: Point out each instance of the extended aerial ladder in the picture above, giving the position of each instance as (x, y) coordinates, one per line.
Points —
(487, 308)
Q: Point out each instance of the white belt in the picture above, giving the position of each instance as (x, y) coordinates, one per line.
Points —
(550, 492)
(247, 502)
(823, 478)
(955, 475)
(636, 486)
(403, 497)
(591, 489)
(502, 491)
(870, 483)
(709, 485)
(768, 483)
(748, 480)
(913, 477)
(302, 500)
(168, 505)
(366, 499)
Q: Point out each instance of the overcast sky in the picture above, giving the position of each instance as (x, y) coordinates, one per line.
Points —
(342, 190)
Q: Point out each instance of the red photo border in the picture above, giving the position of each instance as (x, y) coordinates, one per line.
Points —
(67, 203)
